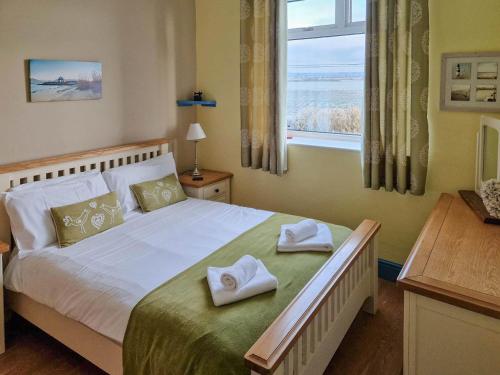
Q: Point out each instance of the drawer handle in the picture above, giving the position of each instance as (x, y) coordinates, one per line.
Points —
(216, 190)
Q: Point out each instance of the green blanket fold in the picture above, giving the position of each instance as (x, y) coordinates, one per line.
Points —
(176, 329)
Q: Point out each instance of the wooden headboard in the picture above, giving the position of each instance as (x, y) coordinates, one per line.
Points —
(100, 159)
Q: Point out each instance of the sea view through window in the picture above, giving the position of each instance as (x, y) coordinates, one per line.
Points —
(325, 74)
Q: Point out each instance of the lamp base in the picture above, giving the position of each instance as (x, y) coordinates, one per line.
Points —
(196, 174)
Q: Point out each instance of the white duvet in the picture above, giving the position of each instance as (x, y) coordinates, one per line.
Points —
(99, 280)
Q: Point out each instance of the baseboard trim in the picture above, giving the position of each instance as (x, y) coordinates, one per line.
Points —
(388, 270)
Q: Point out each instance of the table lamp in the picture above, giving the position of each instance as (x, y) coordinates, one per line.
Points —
(195, 133)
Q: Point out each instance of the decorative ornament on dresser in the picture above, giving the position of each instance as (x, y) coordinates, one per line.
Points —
(490, 194)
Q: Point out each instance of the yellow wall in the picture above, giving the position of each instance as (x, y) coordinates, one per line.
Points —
(147, 50)
(325, 183)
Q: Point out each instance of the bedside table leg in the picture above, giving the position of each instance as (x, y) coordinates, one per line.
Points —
(2, 318)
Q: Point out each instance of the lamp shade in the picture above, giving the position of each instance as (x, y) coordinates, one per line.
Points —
(195, 132)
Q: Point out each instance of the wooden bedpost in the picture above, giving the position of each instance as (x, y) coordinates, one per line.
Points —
(170, 147)
(4, 218)
(4, 248)
(371, 304)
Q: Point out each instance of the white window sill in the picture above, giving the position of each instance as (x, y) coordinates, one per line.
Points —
(341, 142)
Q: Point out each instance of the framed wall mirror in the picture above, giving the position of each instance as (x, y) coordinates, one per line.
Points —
(488, 151)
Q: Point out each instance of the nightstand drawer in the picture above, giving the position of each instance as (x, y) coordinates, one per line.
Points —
(213, 190)
(220, 198)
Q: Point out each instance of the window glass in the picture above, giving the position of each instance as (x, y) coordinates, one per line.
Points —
(358, 10)
(326, 84)
(308, 13)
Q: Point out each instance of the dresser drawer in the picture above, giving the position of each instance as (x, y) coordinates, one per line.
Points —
(213, 190)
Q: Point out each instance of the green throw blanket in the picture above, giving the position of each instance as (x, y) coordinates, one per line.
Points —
(176, 329)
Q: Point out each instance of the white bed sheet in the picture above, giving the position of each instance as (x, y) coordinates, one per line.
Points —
(99, 280)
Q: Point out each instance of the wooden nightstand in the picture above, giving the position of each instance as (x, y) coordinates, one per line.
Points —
(215, 186)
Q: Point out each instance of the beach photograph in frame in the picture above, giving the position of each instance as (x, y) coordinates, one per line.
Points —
(470, 81)
(462, 71)
(487, 70)
(460, 93)
(486, 93)
(62, 80)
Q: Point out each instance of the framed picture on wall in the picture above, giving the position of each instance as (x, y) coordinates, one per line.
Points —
(470, 82)
(61, 80)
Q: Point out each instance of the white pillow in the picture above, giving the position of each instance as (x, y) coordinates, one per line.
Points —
(56, 180)
(29, 209)
(119, 179)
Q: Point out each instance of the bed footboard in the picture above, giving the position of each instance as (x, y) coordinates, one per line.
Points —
(304, 337)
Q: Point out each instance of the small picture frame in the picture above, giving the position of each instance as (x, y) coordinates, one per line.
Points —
(470, 82)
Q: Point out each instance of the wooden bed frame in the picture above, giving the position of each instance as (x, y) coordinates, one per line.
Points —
(302, 339)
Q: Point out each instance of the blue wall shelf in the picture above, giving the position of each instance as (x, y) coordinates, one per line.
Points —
(203, 103)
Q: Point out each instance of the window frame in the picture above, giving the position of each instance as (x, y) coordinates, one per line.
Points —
(342, 141)
(343, 26)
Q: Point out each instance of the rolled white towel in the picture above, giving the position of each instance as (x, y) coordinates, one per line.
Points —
(302, 230)
(322, 241)
(262, 282)
(240, 273)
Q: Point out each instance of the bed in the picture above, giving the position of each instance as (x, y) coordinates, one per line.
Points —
(105, 278)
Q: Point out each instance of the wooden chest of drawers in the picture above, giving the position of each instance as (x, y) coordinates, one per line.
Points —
(452, 294)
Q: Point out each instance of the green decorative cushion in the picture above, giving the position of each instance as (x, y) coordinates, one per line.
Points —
(155, 194)
(78, 221)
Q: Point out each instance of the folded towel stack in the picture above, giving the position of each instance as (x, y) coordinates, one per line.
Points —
(319, 241)
(221, 280)
(240, 273)
(302, 230)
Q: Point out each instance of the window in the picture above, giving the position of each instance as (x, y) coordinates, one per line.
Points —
(326, 46)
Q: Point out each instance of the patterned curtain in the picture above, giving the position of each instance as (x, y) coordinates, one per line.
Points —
(396, 136)
(263, 37)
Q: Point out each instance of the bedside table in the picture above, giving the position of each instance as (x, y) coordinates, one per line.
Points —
(215, 186)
